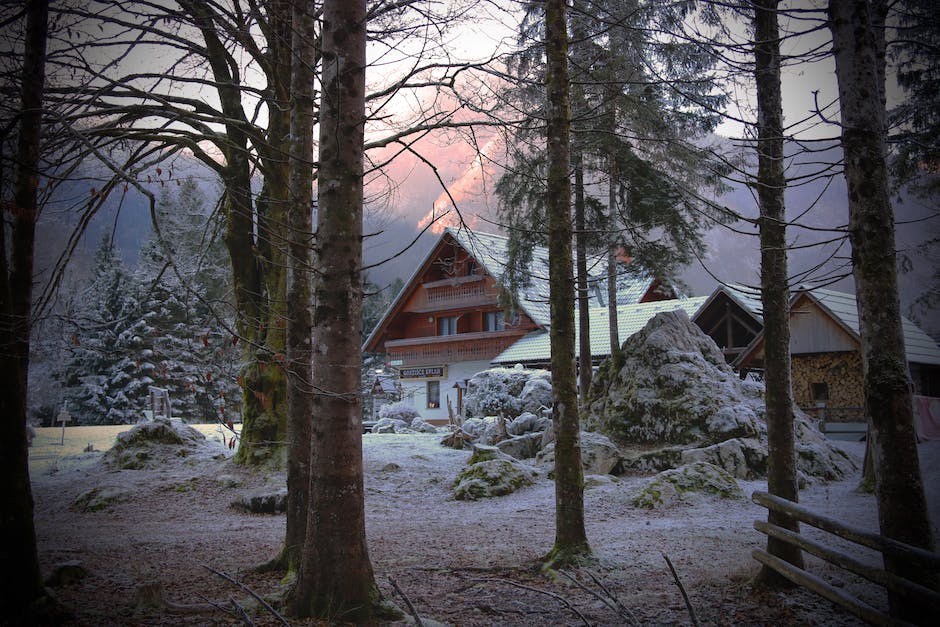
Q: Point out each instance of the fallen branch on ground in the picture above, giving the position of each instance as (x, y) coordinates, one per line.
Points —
(608, 598)
(685, 597)
(557, 597)
(411, 608)
(257, 596)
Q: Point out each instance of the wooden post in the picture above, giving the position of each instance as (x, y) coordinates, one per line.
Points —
(63, 417)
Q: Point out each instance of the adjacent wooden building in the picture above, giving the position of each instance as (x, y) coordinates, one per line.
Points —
(825, 354)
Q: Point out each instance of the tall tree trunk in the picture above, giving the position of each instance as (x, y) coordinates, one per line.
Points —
(254, 235)
(336, 580)
(584, 316)
(570, 538)
(902, 508)
(616, 355)
(771, 184)
(299, 281)
(20, 581)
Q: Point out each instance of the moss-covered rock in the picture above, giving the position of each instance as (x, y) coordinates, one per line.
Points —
(653, 460)
(151, 444)
(99, 499)
(489, 473)
(673, 486)
(263, 501)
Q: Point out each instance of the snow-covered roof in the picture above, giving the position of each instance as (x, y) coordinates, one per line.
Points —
(492, 252)
(920, 348)
(746, 297)
(536, 346)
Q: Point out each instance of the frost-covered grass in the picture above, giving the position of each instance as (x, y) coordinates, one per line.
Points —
(49, 453)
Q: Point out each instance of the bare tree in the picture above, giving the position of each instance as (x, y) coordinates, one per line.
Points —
(571, 542)
(20, 582)
(771, 183)
(223, 95)
(858, 44)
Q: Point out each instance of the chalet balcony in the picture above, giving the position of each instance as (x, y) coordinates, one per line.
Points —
(442, 349)
(455, 293)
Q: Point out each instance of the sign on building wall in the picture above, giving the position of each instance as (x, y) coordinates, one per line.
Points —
(424, 372)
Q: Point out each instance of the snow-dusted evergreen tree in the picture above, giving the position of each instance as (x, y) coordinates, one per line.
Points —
(158, 326)
(96, 374)
(182, 285)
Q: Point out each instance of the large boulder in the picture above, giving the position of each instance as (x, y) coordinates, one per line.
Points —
(678, 484)
(489, 473)
(524, 446)
(508, 392)
(599, 456)
(527, 422)
(152, 444)
(676, 391)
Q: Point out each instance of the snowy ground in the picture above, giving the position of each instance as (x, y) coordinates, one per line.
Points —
(458, 562)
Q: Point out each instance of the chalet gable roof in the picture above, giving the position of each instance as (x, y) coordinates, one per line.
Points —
(842, 308)
(492, 253)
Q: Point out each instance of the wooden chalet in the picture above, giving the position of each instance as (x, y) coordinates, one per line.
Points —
(447, 323)
(825, 355)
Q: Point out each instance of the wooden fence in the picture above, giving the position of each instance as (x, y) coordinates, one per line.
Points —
(891, 582)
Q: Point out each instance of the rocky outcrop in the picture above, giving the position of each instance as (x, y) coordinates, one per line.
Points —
(675, 392)
(507, 392)
(676, 485)
(489, 473)
(99, 499)
(151, 444)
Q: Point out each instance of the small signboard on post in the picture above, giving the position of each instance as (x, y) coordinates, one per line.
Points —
(64, 418)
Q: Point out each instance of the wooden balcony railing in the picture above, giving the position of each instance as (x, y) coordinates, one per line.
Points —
(461, 295)
(449, 348)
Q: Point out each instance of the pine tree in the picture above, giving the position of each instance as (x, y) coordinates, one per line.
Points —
(177, 330)
(158, 326)
(97, 368)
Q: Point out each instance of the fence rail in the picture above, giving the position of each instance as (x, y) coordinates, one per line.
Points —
(889, 581)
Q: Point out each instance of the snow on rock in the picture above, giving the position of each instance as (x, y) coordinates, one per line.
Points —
(676, 391)
(150, 444)
(527, 422)
(676, 485)
(398, 411)
(419, 425)
(524, 446)
(490, 472)
(599, 456)
(262, 501)
(390, 425)
(507, 391)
